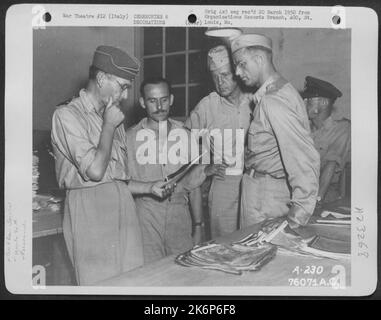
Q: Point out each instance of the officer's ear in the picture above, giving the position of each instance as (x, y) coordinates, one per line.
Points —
(171, 99)
(141, 101)
(100, 78)
(260, 58)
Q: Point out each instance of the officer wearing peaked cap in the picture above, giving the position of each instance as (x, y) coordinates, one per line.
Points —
(315, 87)
(282, 164)
(100, 226)
(332, 137)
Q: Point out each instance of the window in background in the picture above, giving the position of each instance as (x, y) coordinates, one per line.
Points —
(178, 54)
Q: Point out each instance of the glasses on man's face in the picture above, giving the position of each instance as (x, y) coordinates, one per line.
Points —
(124, 86)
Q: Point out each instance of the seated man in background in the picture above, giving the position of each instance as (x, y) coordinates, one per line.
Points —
(332, 138)
(166, 223)
(100, 225)
(225, 108)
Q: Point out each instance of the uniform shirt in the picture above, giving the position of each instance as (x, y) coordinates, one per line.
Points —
(333, 141)
(280, 143)
(137, 154)
(76, 129)
(216, 112)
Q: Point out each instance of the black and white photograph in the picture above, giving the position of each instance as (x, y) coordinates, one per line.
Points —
(182, 158)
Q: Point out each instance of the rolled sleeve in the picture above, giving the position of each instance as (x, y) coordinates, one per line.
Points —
(298, 154)
(198, 118)
(71, 138)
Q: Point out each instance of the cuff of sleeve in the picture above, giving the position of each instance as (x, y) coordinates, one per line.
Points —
(298, 215)
(85, 163)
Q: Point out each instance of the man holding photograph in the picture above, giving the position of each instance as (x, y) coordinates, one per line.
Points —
(100, 226)
(282, 164)
(166, 223)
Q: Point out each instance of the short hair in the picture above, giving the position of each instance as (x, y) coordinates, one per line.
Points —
(154, 80)
(93, 72)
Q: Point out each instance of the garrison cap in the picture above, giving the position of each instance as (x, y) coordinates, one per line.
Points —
(115, 61)
(319, 88)
(250, 40)
(218, 57)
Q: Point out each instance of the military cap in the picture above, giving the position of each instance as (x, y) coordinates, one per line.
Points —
(319, 88)
(218, 57)
(250, 40)
(115, 61)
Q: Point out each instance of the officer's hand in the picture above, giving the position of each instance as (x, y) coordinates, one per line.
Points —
(216, 170)
(112, 115)
(159, 190)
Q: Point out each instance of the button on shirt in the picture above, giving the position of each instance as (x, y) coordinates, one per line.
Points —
(76, 130)
(280, 143)
(158, 170)
(216, 112)
(333, 141)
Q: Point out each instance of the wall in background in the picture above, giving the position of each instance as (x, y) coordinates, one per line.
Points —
(62, 56)
(321, 53)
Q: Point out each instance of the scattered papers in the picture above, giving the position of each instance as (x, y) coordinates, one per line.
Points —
(336, 215)
(334, 218)
(35, 177)
(232, 259)
(333, 222)
(52, 203)
(250, 253)
(316, 246)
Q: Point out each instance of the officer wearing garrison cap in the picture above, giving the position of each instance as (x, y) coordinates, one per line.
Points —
(282, 164)
(332, 137)
(100, 225)
(226, 108)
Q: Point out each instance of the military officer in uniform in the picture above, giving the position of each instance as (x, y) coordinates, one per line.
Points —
(166, 223)
(100, 225)
(332, 137)
(225, 109)
(282, 164)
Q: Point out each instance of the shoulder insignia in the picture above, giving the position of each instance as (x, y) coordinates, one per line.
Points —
(276, 85)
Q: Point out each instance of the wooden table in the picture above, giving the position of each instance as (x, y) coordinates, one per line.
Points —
(278, 272)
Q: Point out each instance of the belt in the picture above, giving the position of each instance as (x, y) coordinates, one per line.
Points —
(251, 172)
(178, 197)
